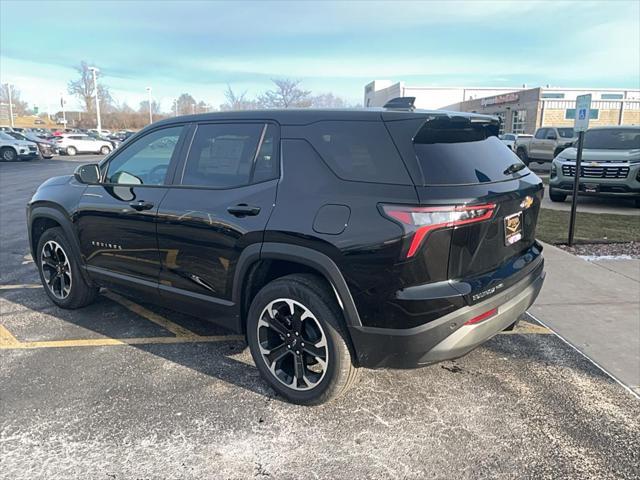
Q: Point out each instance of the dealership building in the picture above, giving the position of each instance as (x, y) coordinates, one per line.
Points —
(521, 109)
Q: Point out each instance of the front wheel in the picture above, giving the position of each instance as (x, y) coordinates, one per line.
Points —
(60, 272)
(71, 151)
(557, 196)
(105, 150)
(298, 341)
(8, 154)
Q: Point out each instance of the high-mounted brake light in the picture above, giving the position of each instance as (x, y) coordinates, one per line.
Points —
(422, 220)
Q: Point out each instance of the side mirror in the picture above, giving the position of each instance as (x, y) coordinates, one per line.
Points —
(89, 174)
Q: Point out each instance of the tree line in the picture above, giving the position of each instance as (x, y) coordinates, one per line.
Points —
(285, 93)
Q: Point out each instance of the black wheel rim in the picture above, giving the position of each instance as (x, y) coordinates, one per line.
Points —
(56, 269)
(293, 344)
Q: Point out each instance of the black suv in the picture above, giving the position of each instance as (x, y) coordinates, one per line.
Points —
(332, 239)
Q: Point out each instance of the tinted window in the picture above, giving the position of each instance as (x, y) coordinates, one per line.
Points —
(146, 160)
(453, 153)
(566, 132)
(224, 155)
(612, 139)
(359, 151)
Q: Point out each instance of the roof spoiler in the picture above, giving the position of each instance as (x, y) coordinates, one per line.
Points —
(450, 121)
(401, 103)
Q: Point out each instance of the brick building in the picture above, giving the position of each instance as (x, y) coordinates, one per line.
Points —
(525, 110)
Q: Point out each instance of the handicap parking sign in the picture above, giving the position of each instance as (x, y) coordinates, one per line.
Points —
(583, 106)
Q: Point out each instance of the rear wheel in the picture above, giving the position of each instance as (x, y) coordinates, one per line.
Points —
(8, 154)
(298, 341)
(60, 272)
(105, 150)
(71, 151)
(522, 155)
(557, 196)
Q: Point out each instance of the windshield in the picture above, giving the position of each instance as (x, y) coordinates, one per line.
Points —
(612, 139)
(566, 132)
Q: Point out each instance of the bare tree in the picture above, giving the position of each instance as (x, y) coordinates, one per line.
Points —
(19, 106)
(287, 94)
(144, 107)
(83, 89)
(328, 100)
(185, 104)
(237, 102)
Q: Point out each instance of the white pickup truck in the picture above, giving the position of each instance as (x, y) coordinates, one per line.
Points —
(545, 144)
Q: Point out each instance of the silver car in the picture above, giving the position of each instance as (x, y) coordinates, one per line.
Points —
(610, 165)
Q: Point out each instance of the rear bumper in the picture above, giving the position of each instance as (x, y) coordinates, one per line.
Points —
(448, 337)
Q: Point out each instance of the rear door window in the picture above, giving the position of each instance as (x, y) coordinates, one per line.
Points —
(461, 152)
(358, 151)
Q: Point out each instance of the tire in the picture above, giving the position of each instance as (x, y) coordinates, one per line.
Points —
(71, 151)
(522, 155)
(267, 333)
(105, 150)
(556, 196)
(54, 255)
(8, 154)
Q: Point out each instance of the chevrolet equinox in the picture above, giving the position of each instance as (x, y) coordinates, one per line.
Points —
(332, 240)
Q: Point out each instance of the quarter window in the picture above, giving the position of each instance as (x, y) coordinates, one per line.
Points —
(145, 161)
(231, 155)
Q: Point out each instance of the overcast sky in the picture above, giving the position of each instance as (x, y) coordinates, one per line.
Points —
(200, 47)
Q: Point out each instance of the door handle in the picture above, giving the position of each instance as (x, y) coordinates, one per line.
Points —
(243, 210)
(141, 205)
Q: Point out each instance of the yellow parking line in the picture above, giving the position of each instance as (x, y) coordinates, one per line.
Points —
(20, 285)
(165, 323)
(103, 342)
(6, 339)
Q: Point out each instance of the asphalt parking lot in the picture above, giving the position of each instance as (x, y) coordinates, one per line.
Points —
(122, 389)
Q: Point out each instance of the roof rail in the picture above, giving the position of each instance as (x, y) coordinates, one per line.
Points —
(401, 103)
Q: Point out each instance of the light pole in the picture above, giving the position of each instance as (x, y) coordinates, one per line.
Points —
(64, 118)
(94, 70)
(149, 100)
(10, 104)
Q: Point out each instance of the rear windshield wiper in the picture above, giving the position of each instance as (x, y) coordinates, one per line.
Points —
(514, 167)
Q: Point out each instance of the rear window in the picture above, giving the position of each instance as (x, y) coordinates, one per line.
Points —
(459, 152)
(358, 151)
(612, 139)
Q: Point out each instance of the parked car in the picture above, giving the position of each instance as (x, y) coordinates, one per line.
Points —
(12, 149)
(397, 238)
(545, 144)
(610, 165)
(509, 139)
(114, 142)
(45, 148)
(74, 143)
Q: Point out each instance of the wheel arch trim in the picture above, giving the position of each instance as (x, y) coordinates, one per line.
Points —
(55, 214)
(305, 256)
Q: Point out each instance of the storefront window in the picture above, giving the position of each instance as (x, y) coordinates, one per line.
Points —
(519, 120)
(500, 115)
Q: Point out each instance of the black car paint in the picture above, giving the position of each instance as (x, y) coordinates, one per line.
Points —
(188, 252)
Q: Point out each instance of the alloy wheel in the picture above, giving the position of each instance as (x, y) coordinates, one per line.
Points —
(56, 269)
(293, 344)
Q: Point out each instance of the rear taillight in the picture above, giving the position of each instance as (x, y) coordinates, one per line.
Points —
(422, 220)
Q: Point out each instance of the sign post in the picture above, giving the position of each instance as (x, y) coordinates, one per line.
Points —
(581, 124)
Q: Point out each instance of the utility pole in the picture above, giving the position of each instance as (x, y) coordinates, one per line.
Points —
(10, 104)
(149, 100)
(95, 88)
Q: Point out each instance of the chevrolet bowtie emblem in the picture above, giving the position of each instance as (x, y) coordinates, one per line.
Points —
(513, 224)
(527, 202)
